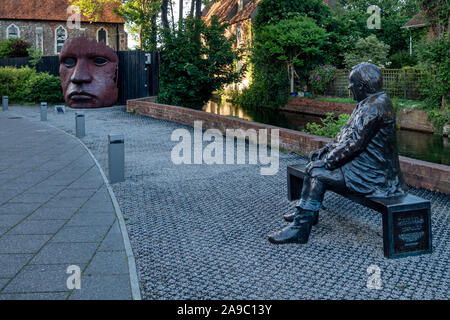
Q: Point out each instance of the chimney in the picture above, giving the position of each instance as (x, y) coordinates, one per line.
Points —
(240, 5)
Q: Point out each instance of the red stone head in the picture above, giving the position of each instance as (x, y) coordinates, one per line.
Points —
(88, 72)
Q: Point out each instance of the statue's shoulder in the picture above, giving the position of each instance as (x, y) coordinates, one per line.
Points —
(378, 102)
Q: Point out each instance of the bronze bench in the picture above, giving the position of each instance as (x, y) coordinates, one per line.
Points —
(406, 219)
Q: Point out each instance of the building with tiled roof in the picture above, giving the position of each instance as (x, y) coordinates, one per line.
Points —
(46, 24)
(417, 22)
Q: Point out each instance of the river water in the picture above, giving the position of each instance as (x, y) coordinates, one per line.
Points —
(417, 145)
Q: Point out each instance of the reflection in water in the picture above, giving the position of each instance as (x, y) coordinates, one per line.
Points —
(417, 145)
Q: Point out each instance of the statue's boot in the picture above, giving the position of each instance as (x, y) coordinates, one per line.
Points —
(289, 217)
(298, 231)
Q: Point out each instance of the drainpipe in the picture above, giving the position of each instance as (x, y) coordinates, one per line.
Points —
(117, 38)
(410, 43)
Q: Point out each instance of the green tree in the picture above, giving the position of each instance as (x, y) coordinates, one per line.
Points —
(192, 70)
(297, 42)
(140, 15)
(369, 49)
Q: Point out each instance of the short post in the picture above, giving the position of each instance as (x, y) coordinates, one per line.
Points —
(79, 125)
(116, 158)
(5, 103)
(43, 111)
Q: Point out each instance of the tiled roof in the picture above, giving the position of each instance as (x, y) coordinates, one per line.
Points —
(417, 21)
(227, 11)
(55, 10)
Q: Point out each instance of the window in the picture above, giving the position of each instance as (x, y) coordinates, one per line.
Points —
(12, 31)
(102, 35)
(39, 39)
(239, 34)
(60, 38)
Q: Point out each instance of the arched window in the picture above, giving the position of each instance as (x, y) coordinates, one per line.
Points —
(102, 35)
(60, 38)
(12, 31)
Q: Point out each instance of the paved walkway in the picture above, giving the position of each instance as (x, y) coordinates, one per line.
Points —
(199, 231)
(55, 212)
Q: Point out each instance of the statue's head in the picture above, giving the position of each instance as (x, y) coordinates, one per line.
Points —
(88, 72)
(365, 79)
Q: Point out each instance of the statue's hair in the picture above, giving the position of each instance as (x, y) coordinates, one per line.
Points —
(369, 75)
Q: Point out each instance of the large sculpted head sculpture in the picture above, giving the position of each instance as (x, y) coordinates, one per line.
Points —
(88, 72)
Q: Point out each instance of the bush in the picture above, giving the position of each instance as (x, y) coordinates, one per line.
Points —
(368, 49)
(43, 87)
(434, 58)
(13, 82)
(320, 77)
(329, 127)
(195, 62)
(5, 48)
(402, 59)
(14, 48)
(25, 85)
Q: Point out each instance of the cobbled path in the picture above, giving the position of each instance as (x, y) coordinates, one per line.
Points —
(199, 231)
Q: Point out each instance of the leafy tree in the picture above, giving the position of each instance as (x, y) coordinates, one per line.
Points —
(192, 70)
(140, 15)
(434, 55)
(369, 49)
(297, 42)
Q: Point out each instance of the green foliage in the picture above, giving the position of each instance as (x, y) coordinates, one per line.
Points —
(13, 48)
(43, 87)
(36, 56)
(271, 11)
(13, 82)
(434, 56)
(297, 42)
(191, 70)
(330, 125)
(280, 34)
(402, 59)
(5, 48)
(369, 49)
(25, 85)
(439, 118)
(320, 77)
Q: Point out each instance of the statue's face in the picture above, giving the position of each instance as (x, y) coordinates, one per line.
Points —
(88, 72)
(357, 87)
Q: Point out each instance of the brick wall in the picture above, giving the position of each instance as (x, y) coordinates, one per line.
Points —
(28, 32)
(417, 173)
(416, 120)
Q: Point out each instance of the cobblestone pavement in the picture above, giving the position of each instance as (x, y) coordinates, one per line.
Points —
(199, 231)
(55, 212)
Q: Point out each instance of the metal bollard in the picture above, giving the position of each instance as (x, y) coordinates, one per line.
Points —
(5, 103)
(79, 125)
(43, 111)
(116, 158)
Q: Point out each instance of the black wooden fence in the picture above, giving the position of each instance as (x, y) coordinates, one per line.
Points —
(138, 72)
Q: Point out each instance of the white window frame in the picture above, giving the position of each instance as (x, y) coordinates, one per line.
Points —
(106, 30)
(40, 46)
(7, 30)
(56, 37)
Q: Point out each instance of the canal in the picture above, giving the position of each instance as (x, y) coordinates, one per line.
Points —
(417, 145)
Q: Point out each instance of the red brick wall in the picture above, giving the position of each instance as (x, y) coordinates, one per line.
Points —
(416, 120)
(417, 173)
(317, 107)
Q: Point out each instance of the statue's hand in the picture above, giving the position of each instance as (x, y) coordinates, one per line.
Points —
(314, 164)
(317, 154)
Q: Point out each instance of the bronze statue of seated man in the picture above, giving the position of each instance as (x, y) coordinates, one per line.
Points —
(362, 159)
